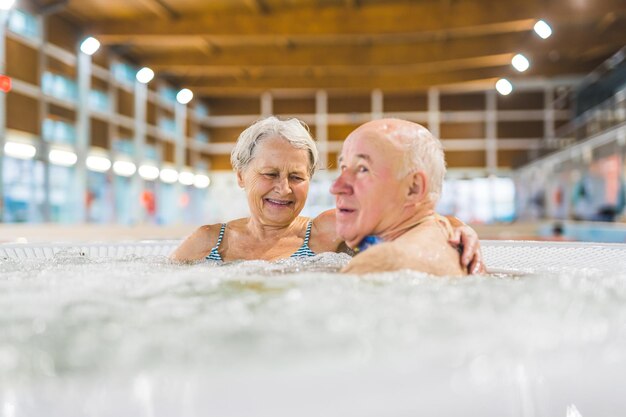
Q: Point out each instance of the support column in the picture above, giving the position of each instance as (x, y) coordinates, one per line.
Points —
(266, 104)
(140, 109)
(321, 126)
(377, 104)
(548, 116)
(491, 139)
(4, 17)
(433, 112)
(43, 147)
(83, 132)
(491, 146)
(180, 112)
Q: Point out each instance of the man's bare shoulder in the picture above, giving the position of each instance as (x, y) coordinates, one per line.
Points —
(377, 258)
(426, 251)
(197, 245)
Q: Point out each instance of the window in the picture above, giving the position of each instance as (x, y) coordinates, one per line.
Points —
(168, 94)
(59, 86)
(99, 100)
(58, 131)
(124, 73)
(167, 125)
(25, 24)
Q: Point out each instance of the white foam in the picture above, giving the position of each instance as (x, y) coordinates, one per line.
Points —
(140, 335)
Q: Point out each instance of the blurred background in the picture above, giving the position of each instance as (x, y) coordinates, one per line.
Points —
(117, 116)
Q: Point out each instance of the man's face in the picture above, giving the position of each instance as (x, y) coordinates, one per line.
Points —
(368, 193)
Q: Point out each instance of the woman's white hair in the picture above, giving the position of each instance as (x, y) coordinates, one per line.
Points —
(424, 152)
(292, 130)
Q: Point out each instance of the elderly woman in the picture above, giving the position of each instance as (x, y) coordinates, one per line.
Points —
(274, 161)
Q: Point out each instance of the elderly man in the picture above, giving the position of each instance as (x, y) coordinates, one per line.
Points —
(391, 176)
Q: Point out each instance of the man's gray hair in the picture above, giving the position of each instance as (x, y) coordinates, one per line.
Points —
(292, 130)
(424, 152)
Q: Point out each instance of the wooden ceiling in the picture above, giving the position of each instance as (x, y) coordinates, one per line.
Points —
(245, 47)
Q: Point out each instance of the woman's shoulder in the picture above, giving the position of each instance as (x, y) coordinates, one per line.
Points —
(323, 233)
(198, 245)
(325, 221)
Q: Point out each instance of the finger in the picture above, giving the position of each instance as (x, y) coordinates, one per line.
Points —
(477, 267)
(473, 267)
(469, 251)
(456, 237)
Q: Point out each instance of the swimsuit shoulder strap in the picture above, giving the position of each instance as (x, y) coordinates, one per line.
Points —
(308, 233)
(304, 250)
(214, 255)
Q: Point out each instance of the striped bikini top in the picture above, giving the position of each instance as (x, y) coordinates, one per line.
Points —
(304, 250)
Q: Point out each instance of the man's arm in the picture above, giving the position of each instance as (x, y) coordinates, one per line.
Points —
(378, 258)
(426, 252)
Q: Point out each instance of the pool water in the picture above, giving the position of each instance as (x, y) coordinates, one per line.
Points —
(141, 336)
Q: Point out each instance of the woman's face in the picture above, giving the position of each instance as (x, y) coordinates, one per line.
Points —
(276, 181)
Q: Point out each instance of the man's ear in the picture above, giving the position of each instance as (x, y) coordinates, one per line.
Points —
(418, 187)
(240, 179)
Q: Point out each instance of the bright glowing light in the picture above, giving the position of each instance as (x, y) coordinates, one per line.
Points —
(148, 172)
(504, 87)
(201, 181)
(62, 157)
(90, 45)
(186, 177)
(145, 75)
(520, 63)
(184, 96)
(543, 29)
(168, 175)
(6, 4)
(124, 168)
(98, 163)
(19, 150)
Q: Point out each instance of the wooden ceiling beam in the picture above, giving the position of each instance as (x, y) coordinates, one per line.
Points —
(364, 82)
(384, 19)
(258, 6)
(568, 44)
(159, 8)
(330, 39)
(498, 60)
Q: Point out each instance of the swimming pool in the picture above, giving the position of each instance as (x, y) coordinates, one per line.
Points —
(116, 329)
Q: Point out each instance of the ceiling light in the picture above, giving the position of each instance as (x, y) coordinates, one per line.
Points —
(62, 157)
(19, 150)
(148, 172)
(201, 181)
(520, 63)
(186, 178)
(145, 75)
(542, 29)
(90, 45)
(98, 163)
(124, 168)
(6, 4)
(184, 96)
(504, 87)
(168, 175)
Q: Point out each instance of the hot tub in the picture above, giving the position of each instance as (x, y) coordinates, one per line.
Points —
(118, 330)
